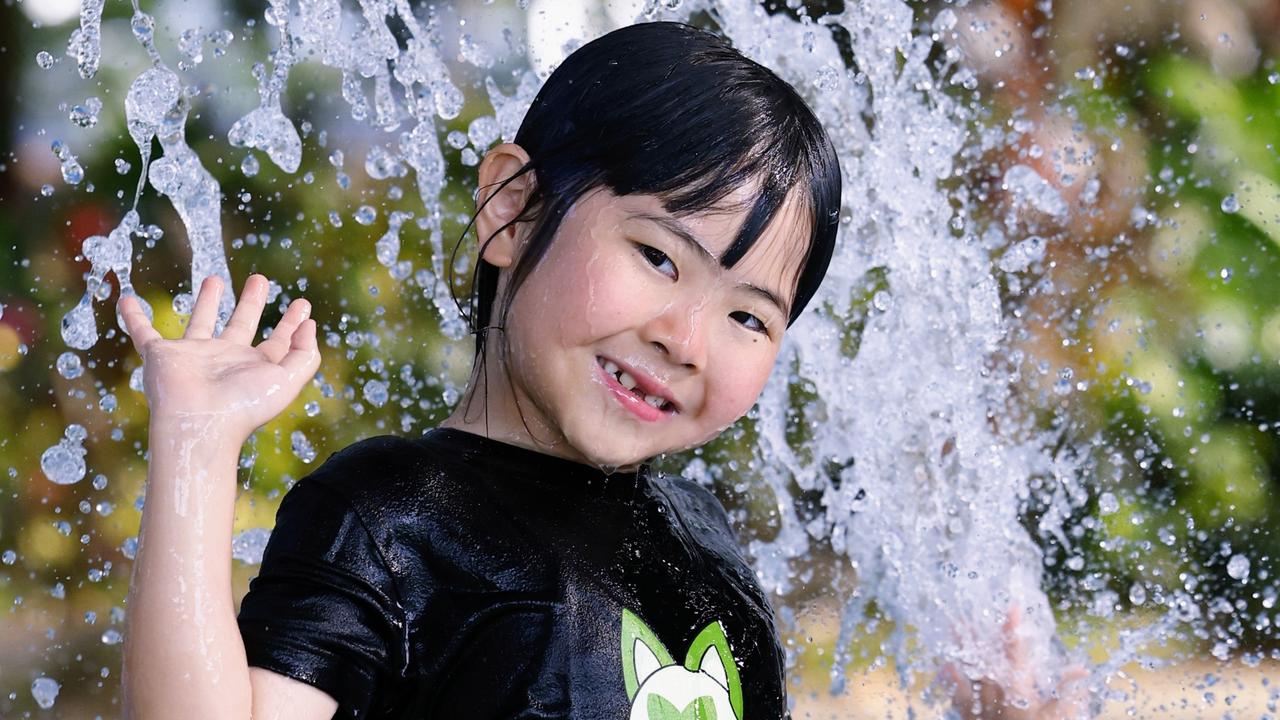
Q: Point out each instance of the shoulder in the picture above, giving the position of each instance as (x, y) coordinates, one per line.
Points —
(393, 484)
(696, 504)
(375, 469)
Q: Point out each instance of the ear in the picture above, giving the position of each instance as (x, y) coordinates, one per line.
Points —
(710, 653)
(498, 208)
(642, 653)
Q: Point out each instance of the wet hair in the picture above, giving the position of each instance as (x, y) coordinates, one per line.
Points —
(668, 110)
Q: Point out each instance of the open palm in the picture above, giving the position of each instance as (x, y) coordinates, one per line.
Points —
(242, 384)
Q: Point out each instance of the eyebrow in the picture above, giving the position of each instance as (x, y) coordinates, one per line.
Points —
(677, 228)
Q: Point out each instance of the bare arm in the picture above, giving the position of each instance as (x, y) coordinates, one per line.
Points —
(183, 653)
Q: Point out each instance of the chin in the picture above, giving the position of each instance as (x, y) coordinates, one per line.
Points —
(616, 451)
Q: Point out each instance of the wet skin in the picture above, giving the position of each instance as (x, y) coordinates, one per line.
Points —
(627, 287)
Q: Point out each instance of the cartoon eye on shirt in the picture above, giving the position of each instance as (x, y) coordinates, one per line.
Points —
(705, 687)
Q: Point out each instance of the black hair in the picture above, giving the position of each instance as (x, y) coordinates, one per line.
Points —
(668, 110)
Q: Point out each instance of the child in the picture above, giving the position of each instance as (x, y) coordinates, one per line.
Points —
(667, 210)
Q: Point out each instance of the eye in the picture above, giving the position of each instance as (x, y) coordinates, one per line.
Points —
(659, 260)
(750, 322)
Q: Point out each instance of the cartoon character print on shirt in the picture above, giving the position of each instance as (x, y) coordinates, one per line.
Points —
(705, 687)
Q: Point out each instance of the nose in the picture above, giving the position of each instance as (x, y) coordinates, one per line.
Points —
(678, 332)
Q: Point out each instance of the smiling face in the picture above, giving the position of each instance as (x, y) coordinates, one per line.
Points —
(629, 339)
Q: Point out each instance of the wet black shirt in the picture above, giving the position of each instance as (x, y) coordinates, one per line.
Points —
(454, 576)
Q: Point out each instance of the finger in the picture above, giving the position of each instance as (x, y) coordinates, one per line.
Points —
(243, 325)
(282, 334)
(303, 357)
(140, 330)
(205, 312)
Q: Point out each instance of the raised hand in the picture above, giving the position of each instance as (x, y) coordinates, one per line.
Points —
(1019, 699)
(226, 377)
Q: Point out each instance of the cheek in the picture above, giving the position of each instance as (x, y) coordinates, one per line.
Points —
(736, 385)
(600, 293)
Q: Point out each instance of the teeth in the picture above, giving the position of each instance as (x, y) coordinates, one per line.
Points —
(654, 401)
(626, 381)
(610, 367)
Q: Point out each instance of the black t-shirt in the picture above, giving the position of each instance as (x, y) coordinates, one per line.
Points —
(454, 576)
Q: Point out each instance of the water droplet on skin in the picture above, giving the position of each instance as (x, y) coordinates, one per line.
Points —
(1230, 204)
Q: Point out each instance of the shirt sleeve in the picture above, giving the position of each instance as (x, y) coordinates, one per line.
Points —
(324, 608)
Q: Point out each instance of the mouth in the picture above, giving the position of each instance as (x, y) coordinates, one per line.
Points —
(640, 393)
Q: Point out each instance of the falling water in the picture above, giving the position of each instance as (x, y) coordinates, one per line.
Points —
(910, 436)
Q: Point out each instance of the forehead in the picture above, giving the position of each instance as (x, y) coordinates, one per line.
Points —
(775, 258)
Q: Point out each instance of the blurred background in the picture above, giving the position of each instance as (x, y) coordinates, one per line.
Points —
(1147, 328)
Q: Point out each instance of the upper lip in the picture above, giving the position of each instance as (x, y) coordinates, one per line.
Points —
(645, 382)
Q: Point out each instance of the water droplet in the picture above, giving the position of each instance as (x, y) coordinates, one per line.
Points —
(72, 173)
(69, 366)
(302, 447)
(1238, 567)
(1107, 503)
(44, 60)
(1230, 204)
(46, 190)
(882, 300)
(1225, 273)
(86, 115)
(79, 328)
(248, 546)
(1138, 593)
(45, 691)
(63, 463)
(365, 215)
(249, 166)
(375, 391)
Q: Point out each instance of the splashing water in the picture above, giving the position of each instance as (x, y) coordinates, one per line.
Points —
(920, 459)
(926, 499)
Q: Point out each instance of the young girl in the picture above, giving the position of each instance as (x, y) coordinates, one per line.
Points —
(667, 210)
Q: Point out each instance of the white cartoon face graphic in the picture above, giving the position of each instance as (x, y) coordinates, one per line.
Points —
(705, 687)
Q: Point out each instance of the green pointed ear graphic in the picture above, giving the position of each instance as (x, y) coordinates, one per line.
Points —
(642, 653)
(710, 654)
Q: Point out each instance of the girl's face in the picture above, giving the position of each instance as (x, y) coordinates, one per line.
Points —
(629, 339)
